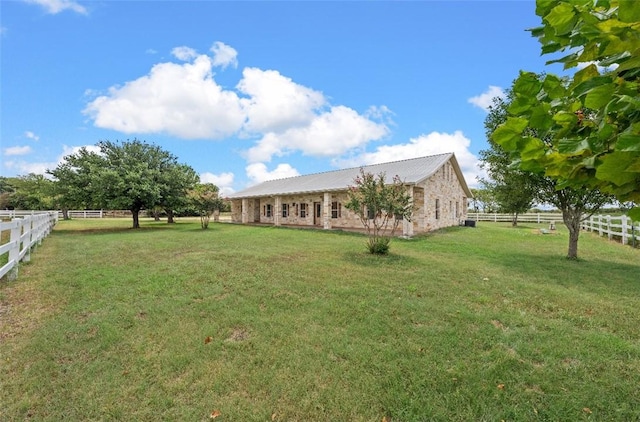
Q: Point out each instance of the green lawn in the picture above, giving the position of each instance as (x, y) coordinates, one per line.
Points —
(171, 322)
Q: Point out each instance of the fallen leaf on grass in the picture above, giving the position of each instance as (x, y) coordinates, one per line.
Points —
(273, 416)
(500, 386)
(587, 410)
(215, 414)
(208, 340)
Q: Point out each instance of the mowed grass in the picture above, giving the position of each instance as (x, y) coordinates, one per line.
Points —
(171, 322)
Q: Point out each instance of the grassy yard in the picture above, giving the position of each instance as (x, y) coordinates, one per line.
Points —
(265, 324)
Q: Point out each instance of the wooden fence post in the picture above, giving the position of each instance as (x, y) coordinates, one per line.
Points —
(14, 253)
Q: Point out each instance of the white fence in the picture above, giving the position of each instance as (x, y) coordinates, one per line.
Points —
(538, 217)
(615, 227)
(22, 234)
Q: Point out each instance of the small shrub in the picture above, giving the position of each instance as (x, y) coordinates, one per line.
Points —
(379, 246)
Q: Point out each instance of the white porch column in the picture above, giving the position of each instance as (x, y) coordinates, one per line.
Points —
(326, 211)
(245, 211)
(277, 211)
(407, 226)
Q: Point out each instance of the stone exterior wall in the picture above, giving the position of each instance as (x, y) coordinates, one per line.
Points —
(439, 201)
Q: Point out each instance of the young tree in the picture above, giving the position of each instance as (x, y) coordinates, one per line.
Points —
(206, 200)
(575, 202)
(587, 130)
(513, 190)
(379, 205)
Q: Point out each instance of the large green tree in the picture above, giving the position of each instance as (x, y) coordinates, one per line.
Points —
(132, 175)
(178, 180)
(587, 129)
(28, 192)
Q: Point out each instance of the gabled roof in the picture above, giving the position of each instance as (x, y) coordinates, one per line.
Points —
(410, 171)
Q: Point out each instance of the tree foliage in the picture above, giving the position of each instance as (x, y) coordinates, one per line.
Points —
(132, 175)
(205, 198)
(512, 189)
(380, 206)
(513, 184)
(29, 192)
(587, 128)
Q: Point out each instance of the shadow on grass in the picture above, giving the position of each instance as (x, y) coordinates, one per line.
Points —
(555, 268)
(366, 259)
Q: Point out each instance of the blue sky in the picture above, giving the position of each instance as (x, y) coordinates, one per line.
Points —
(248, 91)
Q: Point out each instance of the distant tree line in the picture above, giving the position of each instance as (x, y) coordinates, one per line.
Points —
(132, 175)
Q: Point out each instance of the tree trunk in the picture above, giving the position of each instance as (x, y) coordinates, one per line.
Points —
(136, 218)
(514, 222)
(156, 215)
(170, 219)
(65, 214)
(572, 221)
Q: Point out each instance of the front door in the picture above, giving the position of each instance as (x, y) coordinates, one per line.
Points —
(317, 213)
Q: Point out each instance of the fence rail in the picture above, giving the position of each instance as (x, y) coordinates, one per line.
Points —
(21, 235)
(539, 217)
(615, 227)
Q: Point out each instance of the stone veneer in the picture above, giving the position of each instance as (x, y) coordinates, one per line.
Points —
(439, 202)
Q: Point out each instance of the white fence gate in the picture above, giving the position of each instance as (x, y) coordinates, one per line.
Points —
(23, 233)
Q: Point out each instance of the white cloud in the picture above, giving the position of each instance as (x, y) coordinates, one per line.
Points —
(224, 55)
(11, 151)
(329, 134)
(23, 167)
(258, 172)
(275, 102)
(180, 100)
(485, 99)
(184, 100)
(31, 135)
(429, 144)
(601, 69)
(184, 53)
(223, 181)
(56, 6)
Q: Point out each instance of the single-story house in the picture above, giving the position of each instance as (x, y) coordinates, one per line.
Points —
(435, 183)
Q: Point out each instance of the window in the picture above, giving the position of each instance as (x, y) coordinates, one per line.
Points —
(457, 209)
(371, 213)
(285, 210)
(303, 210)
(268, 212)
(336, 209)
(437, 209)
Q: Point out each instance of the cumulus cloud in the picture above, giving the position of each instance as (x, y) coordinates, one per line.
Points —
(224, 181)
(31, 135)
(24, 167)
(258, 172)
(180, 100)
(485, 99)
(224, 55)
(329, 134)
(56, 6)
(426, 144)
(184, 53)
(275, 102)
(12, 151)
(282, 116)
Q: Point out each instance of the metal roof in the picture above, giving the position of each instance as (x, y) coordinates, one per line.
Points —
(410, 171)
